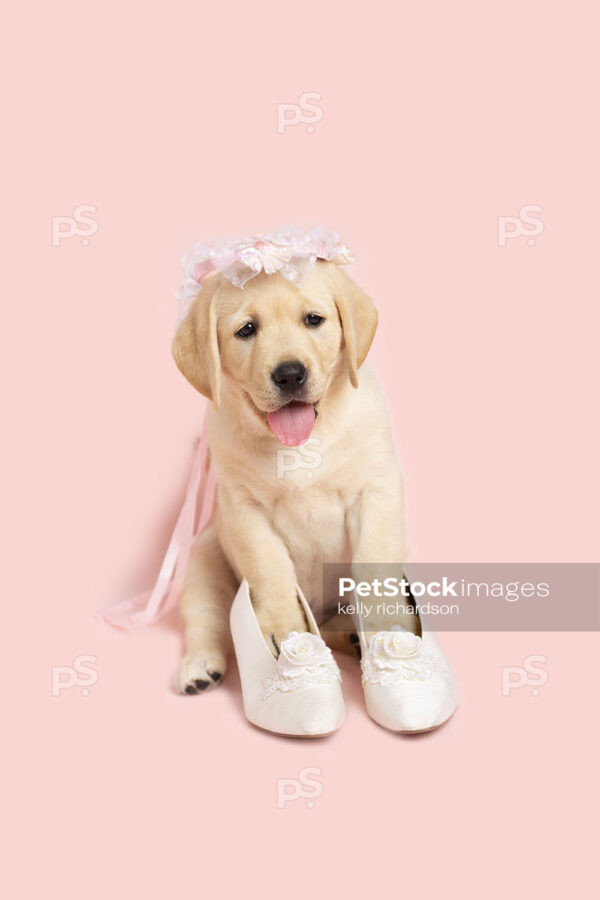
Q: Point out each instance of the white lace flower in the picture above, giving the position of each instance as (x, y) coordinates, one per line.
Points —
(268, 254)
(307, 650)
(398, 654)
(304, 659)
(391, 648)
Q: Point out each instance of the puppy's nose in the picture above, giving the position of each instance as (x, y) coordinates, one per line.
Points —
(289, 376)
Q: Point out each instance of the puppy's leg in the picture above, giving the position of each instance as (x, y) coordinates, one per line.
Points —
(207, 594)
(377, 535)
(261, 556)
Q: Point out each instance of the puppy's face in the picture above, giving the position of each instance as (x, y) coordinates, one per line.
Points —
(278, 343)
(276, 346)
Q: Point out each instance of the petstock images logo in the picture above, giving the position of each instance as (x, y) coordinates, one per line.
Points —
(469, 596)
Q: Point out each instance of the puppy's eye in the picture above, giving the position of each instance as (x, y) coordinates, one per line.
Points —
(312, 320)
(246, 330)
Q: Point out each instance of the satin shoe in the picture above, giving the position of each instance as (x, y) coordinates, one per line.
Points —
(408, 684)
(296, 694)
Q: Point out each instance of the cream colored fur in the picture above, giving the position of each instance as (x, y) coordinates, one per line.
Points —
(277, 531)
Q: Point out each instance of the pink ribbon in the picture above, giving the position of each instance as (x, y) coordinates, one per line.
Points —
(199, 501)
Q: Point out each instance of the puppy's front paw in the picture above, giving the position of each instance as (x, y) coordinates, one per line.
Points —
(276, 627)
(354, 644)
(200, 672)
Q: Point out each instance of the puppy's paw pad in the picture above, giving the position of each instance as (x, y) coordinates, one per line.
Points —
(199, 673)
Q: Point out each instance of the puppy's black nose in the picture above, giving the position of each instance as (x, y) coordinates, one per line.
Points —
(289, 376)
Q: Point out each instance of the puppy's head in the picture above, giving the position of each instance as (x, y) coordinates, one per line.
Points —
(276, 346)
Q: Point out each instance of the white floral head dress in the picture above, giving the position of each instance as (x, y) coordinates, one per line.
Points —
(290, 251)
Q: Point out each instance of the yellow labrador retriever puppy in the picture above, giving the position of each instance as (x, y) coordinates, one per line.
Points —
(281, 366)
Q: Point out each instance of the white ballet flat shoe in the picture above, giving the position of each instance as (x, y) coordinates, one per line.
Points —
(297, 694)
(408, 684)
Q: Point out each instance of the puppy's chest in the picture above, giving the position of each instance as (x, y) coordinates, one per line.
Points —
(310, 515)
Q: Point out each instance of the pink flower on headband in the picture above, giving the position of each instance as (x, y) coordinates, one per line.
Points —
(289, 251)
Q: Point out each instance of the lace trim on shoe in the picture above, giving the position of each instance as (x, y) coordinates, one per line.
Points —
(304, 659)
(397, 654)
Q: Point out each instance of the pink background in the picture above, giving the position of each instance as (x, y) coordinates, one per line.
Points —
(437, 119)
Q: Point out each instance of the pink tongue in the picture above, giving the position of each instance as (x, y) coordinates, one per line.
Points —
(292, 424)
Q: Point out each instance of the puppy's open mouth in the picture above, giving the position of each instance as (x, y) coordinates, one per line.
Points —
(293, 423)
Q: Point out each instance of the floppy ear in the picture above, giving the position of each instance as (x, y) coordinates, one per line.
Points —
(196, 346)
(359, 321)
